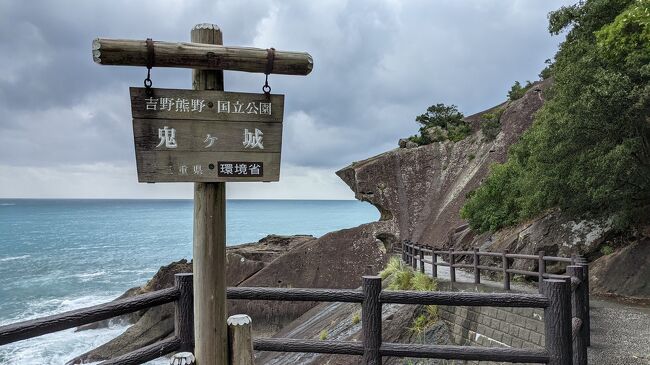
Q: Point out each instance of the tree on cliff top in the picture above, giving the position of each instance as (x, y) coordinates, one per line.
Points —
(441, 122)
(588, 150)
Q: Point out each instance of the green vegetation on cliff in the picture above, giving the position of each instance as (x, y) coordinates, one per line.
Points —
(588, 150)
(439, 123)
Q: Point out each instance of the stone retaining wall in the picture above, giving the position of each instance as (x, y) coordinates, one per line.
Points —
(495, 327)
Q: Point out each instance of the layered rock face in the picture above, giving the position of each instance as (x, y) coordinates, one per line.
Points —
(336, 260)
(422, 189)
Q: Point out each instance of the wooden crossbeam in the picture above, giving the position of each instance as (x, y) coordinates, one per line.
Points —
(122, 52)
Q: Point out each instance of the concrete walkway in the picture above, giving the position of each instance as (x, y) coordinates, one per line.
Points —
(620, 332)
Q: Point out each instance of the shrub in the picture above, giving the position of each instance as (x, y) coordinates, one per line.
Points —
(356, 318)
(491, 124)
(439, 123)
(606, 250)
(517, 91)
(323, 335)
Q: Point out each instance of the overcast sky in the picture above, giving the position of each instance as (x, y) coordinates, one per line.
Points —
(65, 122)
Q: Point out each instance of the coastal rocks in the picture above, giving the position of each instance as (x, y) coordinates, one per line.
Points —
(157, 323)
(624, 272)
(335, 260)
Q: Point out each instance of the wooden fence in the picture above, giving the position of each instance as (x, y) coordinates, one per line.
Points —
(576, 274)
(554, 299)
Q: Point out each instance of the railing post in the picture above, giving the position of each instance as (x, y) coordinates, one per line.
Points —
(403, 251)
(557, 321)
(582, 261)
(434, 265)
(240, 340)
(541, 268)
(452, 269)
(414, 258)
(578, 314)
(408, 252)
(477, 272)
(506, 266)
(421, 260)
(371, 320)
(184, 311)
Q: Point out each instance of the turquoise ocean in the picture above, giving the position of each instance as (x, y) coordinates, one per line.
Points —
(60, 255)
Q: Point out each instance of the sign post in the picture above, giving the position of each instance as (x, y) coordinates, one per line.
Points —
(209, 242)
(208, 137)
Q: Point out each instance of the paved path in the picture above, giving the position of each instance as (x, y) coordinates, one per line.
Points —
(620, 332)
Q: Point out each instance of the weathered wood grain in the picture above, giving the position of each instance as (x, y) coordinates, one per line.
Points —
(196, 55)
(191, 136)
(557, 321)
(209, 240)
(465, 353)
(58, 322)
(371, 320)
(165, 166)
(296, 294)
(579, 334)
(314, 346)
(240, 340)
(147, 353)
(464, 299)
(238, 106)
(184, 312)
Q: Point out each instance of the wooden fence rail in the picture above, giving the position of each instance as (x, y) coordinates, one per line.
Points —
(577, 275)
(371, 296)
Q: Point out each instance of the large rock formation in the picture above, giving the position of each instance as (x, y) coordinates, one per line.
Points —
(335, 260)
(421, 190)
(623, 273)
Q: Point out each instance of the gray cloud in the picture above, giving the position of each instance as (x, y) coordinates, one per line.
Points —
(377, 65)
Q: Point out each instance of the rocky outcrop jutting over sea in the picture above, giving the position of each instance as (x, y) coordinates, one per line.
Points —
(422, 189)
(418, 191)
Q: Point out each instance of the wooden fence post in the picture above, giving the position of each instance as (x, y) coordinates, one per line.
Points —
(371, 320)
(434, 265)
(210, 329)
(582, 261)
(541, 269)
(184, 312)
(414, 258)
(403, 248)
(557, 321)
(477, 272)
(421, 260)
(578, 314)
(452, 269)
(408, 252)
(240, 340)
(506, 266)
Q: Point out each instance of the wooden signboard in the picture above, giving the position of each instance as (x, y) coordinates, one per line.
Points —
(206, 136)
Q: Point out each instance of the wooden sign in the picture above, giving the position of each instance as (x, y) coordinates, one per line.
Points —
(206, 136)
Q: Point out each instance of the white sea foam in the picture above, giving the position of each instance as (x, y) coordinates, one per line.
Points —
(12, 258)
(7, 204)
(62, 346)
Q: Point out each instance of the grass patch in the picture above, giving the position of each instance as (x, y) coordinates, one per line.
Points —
(402, 277)
(323, 335)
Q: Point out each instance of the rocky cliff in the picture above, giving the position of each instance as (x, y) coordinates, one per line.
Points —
(421, 190)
